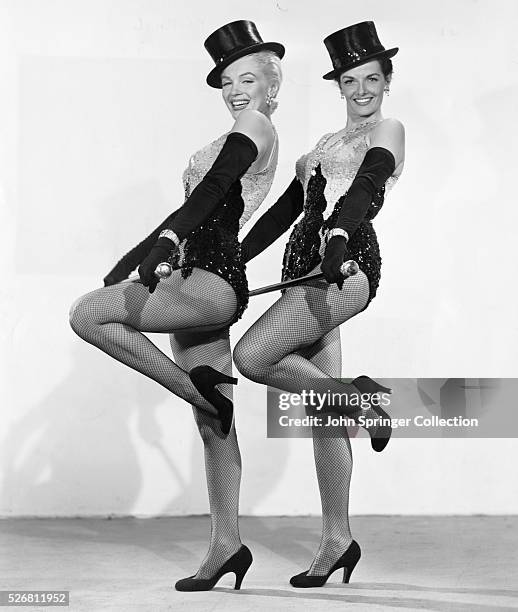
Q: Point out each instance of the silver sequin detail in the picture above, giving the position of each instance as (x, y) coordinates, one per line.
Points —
(339, 163)
(255, 186)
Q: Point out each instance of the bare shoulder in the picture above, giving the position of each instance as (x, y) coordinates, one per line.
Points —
(256, 126)
(389, 134)
(389, 128)
(252, 118)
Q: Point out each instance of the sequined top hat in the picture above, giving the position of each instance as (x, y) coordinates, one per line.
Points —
(232, 41)
(354, 45)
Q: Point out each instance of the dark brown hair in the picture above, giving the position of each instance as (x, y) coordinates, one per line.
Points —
(385, 65)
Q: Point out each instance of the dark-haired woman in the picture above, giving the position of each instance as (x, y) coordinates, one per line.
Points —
(340, 187)
(207, 291)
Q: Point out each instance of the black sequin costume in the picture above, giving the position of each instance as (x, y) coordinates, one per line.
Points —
(214, 245)
(339, 163)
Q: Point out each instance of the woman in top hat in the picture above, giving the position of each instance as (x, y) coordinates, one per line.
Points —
(207, 290)
(340, 187)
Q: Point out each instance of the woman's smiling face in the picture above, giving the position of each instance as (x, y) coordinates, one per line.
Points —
(363, 88)
(244, 85)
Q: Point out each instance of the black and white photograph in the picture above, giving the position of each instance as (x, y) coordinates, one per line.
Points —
(259, 335)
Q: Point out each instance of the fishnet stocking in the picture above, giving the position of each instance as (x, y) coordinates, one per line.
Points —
(298, 340)
(269, 352)
(113, 319)
(222, 456)
(333, 462)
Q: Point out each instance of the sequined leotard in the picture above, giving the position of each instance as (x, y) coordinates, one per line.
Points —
(326, 174)
(214, 246)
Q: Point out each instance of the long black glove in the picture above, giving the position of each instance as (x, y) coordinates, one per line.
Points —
(275, 221)
(377, 166)
(236, 156)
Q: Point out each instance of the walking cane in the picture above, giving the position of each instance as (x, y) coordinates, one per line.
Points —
(348, 268)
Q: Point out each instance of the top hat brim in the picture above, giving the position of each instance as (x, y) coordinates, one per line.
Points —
(366, 58)
(214, 76)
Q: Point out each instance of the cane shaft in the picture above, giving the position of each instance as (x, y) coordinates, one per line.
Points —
(349, 268)
(285, 284)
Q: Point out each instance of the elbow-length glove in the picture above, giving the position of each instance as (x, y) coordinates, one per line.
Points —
(275, 221)
(235, 157)
(377, 166)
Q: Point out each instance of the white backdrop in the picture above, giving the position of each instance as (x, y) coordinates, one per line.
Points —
(101, 106)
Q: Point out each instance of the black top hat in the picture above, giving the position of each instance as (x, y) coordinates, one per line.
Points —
(354, 45)
(232, 41)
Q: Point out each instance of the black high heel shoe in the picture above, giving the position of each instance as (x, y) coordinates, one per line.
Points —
(348, 561)
(205, 379)
(238, 563)
(364, 384)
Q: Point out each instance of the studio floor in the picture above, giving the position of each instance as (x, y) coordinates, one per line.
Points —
(455, 564)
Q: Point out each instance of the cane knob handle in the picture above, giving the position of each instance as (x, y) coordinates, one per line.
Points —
(349, 268)
(163, 270)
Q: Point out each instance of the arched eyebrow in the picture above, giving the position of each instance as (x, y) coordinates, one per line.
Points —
(227, 78)
(369, 75)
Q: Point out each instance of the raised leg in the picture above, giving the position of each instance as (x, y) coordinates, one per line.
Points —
(270, 351)
(113, 319)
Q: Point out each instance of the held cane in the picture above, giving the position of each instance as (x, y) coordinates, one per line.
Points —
(163, 270)
(348, 268)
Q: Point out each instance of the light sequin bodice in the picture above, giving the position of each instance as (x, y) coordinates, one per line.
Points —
(214, 245)
(339, 162)
(255, 187)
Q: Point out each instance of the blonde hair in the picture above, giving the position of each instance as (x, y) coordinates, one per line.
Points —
(271, 66)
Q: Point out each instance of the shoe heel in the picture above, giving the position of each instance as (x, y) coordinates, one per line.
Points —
(348, 570)
(351, 563)
(239, 580)
(365, 384)
(205, 378)
(240, 574)
(230, 379)
(208, 375)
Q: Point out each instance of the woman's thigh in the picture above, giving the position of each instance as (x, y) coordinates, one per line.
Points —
(194, 348)
(302, 317)
(202, 301)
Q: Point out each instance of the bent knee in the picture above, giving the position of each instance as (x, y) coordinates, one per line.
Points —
(247, 363)
(81, 315)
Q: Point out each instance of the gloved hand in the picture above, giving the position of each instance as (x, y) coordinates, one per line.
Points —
(159, 252)
(334, 256)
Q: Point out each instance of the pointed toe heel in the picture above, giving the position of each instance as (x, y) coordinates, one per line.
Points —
(381, 437)
(239, 563)
(205, 378)
(365, 384)
(382, 434)
(348, 561)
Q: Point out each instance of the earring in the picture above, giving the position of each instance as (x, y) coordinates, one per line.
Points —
(387, 91)
(268, 99)
(342, 95)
